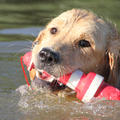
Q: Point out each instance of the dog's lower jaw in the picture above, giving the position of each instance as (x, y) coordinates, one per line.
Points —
(45, 86)
(51, 88)
(40, 85)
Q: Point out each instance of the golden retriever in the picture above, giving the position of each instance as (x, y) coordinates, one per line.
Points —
(76, 39)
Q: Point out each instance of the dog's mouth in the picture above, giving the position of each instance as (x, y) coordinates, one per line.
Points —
(44, 76)
(55, 63)
(44, 82)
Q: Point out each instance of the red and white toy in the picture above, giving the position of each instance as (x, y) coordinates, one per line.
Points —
(86, 86)
(89, 86)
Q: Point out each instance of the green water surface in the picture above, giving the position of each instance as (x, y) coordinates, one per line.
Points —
(27, 13)
(21, 21)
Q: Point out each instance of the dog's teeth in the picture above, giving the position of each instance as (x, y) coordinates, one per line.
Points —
(40, 70)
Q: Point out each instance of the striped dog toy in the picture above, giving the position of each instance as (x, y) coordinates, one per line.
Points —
(89, 86)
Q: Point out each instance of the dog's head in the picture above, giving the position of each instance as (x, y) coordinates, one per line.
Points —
(77, 39)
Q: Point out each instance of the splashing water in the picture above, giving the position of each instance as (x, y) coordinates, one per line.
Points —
(42, 106)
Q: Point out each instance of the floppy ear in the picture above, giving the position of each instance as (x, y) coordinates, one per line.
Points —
(114, 58)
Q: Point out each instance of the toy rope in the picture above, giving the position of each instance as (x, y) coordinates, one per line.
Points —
(24, 71)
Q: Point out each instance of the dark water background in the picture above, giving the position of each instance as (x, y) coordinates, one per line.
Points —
(20, 23)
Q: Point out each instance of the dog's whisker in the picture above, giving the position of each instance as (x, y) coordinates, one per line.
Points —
(46, 19)
(18, 44)
(25, 49)
(10, 45)
(34, 35)
(29, 40)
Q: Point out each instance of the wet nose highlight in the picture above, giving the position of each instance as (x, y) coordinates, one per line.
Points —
(48, 56)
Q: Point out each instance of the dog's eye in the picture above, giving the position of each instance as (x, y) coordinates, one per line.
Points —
(84, 43)
(53, 30)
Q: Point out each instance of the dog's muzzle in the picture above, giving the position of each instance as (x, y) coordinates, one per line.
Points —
(48, 56)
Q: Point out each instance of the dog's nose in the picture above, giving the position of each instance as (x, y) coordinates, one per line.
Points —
(48, 56)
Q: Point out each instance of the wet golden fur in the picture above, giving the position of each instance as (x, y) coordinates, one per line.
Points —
(102, 57)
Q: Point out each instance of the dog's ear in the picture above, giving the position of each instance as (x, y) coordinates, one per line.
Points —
(114, 58)
(39, 38)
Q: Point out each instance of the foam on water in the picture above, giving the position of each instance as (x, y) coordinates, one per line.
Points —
(38, 105)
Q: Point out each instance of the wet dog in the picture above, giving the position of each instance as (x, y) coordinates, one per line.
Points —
(76, 39)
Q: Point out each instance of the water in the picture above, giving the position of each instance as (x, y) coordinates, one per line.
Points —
(23, 31)
(17, 31)
(30, 105)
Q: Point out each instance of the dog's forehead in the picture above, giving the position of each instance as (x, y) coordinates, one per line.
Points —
(74, 22)
(72, 17)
